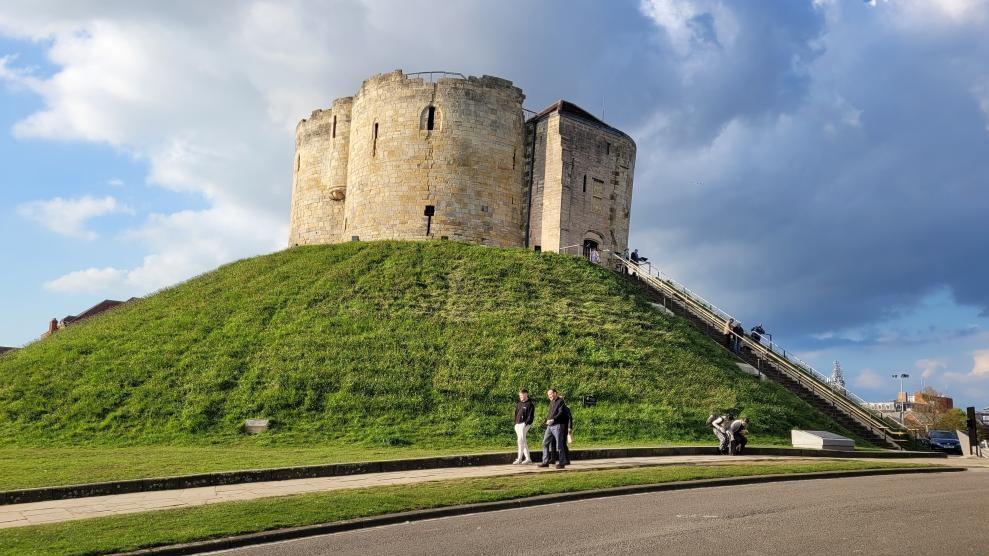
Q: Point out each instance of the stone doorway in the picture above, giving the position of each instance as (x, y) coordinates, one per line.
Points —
(589, 245)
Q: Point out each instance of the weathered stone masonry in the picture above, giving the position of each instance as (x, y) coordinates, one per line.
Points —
(410, 159)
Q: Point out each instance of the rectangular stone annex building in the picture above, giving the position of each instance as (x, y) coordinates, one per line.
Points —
(413, 158)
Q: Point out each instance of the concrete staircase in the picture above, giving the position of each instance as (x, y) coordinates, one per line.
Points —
(768, 358)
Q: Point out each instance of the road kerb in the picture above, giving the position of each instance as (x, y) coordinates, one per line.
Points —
(291, 533)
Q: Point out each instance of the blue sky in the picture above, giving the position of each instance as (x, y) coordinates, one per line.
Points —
(819, 166)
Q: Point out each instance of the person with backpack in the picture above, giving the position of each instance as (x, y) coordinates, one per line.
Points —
(738, 432)
(525, 412)
(718, 424)
(557, 427)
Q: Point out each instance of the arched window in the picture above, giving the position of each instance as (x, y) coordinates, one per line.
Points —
(429, 119)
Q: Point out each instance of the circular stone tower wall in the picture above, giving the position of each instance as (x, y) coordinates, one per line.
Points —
(322, 146)
(453, 148)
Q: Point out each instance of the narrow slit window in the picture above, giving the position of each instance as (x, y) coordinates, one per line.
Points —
(608, 148)
(585, 183)
(334, 132)
(298, 161)
(430, 118)
(374, 140)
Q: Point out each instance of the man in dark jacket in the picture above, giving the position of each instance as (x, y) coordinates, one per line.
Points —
(557, 423)
(525, 412)
(738, 432)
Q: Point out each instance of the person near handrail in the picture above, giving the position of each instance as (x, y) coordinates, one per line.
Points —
(737, 332)
(729, 337)
(756, 333)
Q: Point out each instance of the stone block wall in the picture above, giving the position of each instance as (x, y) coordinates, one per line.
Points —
(596, 188)
(468, 167)
(371, 165)
(317, 211)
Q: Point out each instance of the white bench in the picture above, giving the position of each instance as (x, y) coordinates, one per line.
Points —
(820, 440)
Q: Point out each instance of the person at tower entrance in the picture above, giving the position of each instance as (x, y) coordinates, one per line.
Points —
(525, 412)
(557, 426)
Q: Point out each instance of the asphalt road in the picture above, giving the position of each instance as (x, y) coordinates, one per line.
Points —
(906, 514)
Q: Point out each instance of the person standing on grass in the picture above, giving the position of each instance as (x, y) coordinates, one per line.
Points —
(525, 412)
(557, 426)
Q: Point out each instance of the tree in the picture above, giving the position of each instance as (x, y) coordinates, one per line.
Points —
(952, 420)
(932, 410)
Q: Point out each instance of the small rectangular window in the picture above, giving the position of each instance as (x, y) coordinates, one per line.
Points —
(334, 132)
(430, 118)
(374, 140)
(585, 183)
(608, 148)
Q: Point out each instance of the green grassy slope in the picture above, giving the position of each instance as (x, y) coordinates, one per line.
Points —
(387, 343)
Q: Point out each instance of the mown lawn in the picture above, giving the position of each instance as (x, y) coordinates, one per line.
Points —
(381, 344)
(38, 467)
(129, 532)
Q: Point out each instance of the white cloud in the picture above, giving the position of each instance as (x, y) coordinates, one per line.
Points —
(183, 244)
(68, 217)
(115, 182)
(90, 280)
(867, 378)
(980, 363)
(930, 366)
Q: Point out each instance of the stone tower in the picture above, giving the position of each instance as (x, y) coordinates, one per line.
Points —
(413, 158)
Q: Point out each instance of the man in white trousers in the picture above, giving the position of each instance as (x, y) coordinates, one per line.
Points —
(525, 411)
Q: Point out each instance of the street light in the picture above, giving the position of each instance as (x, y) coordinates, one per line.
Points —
(903, 404)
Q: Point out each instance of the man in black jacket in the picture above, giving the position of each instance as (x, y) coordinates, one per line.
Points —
(525, 412)
(556, 430)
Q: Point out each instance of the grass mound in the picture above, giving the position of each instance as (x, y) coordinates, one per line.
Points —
(381, 344)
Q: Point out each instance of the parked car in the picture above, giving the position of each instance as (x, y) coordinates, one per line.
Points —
(944, 441)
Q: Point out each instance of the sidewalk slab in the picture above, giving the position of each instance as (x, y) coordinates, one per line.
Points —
(415, 464)
(18, 515)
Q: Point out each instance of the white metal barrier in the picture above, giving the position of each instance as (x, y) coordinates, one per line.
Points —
(802, 372)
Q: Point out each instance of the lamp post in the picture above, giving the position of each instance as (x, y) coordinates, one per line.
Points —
(901, 376)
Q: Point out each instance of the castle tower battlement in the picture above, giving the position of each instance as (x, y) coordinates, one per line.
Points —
(414, 158)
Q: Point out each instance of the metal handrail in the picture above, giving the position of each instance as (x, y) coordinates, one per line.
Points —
(437, 72)
(771, 350)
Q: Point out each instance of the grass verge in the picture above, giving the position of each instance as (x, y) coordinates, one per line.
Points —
(130, 532)
(42, 467)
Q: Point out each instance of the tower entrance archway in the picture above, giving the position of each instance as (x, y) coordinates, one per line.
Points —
(590, 245)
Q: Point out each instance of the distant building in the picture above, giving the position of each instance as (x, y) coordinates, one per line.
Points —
(55, 325)
(912, 410)
(5, 349)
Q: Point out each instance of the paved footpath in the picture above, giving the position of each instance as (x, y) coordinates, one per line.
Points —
(19, 515)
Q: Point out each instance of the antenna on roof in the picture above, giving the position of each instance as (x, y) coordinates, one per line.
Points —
(602, 108)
